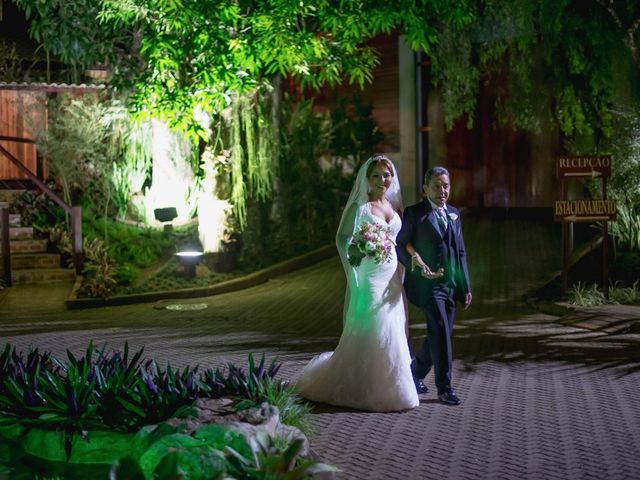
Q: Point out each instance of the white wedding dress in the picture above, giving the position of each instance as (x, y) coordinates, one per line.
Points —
(370, 367)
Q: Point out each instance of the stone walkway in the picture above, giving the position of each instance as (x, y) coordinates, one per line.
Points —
(545, 395)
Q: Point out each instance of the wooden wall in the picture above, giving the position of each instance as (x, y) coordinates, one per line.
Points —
(382, 93)
(19, 109)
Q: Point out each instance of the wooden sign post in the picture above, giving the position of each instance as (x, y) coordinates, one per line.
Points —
(569, 211)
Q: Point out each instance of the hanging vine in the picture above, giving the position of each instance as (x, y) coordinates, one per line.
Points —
(254, 150)
(238, 187)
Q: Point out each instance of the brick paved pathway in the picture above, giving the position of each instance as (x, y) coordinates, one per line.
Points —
(544, 397)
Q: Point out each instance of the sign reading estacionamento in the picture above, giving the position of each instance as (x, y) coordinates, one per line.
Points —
(584, 166)
(584, 210)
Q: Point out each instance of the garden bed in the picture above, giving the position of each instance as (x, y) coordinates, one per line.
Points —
(238, 282)
(123, 413)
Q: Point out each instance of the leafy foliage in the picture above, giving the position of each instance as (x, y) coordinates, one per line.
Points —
(37, 209)
(79, 149)
(10, 63)
(189, 55)
(618, 293)
(215, 452)
(121, 391)
(117, 390)
(235, 381)
(68, 30)
(317, 152)
(282, 395)
(584, 295)
(268, 461)
(551, 61)
(626, 229)
(99, 270)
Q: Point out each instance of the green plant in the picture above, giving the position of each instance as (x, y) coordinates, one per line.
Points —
(235, 381)
(268, 461)
(626, 229)
(37, 209)
(166, 392)
(116, 390)
(293, 410)
(618, 293)
(79, 151)
(120, 391)
(117, 379)
(20, 390)
(134, 142)
(10, 64)
(135, 245)
(584, 295)
(99, 270)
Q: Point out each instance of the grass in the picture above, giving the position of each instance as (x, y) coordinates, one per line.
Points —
(589, 295)
(585, 295)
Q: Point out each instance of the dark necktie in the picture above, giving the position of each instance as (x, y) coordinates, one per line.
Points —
(442, 221)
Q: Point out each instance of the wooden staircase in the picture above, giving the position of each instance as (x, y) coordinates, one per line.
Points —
(30, 261)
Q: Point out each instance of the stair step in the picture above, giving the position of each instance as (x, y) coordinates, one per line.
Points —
(15, 219)
(48, 275)
(28, 246)
(20, 233)
(35, 260)
(9, 196)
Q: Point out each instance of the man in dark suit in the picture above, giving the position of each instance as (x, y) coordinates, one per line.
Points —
(431, 247)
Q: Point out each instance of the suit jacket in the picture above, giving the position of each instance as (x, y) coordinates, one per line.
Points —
(420, 228)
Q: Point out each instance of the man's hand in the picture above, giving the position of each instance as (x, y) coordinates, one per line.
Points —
(466, 301)
(426, 272)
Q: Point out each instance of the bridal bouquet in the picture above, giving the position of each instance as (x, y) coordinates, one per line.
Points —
(374, 241)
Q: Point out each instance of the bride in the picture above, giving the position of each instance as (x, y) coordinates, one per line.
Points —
(370, 367)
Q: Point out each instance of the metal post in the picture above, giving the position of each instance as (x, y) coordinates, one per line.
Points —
(605, 241)
(6, 249)
(419, 123)
(76, 233)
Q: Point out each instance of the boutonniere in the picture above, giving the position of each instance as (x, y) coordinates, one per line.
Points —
(453, 217)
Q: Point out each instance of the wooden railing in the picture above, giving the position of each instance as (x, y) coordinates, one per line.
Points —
(74, 212)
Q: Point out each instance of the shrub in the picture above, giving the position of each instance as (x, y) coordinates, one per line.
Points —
(584, 295)
(618, 293)
(626, 229)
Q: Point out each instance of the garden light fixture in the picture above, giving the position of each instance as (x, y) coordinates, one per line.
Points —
(189, 259)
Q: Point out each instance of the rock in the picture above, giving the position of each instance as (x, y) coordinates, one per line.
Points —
(265, 418)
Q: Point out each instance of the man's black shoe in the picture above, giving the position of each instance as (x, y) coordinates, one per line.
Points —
(448, 398)
(420, 386)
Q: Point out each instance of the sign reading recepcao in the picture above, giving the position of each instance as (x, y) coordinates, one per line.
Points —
(584, 166)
